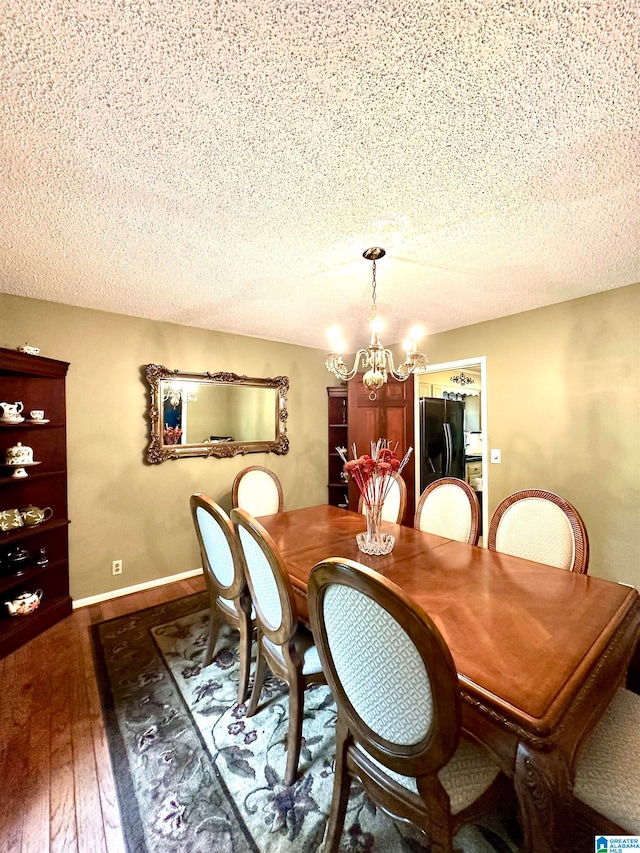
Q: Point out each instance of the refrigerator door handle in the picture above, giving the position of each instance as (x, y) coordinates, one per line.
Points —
(448, 449)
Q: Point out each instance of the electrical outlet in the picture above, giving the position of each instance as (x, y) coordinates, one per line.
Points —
(116, 567)
(495, 456)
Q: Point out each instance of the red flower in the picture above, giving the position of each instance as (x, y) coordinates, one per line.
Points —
(373, 474)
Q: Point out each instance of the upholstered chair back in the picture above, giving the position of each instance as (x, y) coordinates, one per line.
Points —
(540, 526)
(218, 547)
(394, 503)
(396, 690)
(284, 645)
(449, 508)
(266, 574)
(388, 667)
(228, 592)
(394, 700)
(258, 491)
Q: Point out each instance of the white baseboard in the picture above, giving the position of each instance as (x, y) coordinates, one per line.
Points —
(127, 590)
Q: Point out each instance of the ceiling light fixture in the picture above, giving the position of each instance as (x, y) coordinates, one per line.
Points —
(175, 393)
(462, 379)
(375, 360)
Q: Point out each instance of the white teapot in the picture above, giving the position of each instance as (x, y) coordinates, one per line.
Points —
(24, 604)
(11, 411)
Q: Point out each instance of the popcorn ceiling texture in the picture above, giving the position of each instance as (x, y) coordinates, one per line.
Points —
(225, 164)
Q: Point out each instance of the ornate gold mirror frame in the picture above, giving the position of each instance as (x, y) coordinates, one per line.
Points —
(189, 418)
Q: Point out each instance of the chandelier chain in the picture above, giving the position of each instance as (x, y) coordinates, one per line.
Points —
(374, 309)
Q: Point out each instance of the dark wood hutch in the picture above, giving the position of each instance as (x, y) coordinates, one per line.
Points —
(338, 415)
(38, 383)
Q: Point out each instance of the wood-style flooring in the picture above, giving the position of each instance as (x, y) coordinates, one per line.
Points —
(57, 791)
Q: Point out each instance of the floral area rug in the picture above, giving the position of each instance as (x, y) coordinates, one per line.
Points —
(194, 774)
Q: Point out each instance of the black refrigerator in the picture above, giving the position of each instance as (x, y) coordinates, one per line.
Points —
(441, 439)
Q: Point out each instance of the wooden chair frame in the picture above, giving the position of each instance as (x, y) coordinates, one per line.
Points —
(286, 635)
(403, 497)
(474, 529)
(580, 538)
(237, 591)
(429, 809)
(236, 484)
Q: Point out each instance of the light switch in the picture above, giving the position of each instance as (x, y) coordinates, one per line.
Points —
(495, 455)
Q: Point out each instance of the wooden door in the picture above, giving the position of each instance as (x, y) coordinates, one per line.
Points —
(389, 416)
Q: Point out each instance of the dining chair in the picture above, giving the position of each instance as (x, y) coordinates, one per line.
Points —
(542, 527)
(230, 601)
(449, 507)
(286, 646)
(398, 699)
(606, 789)
(258, 490)
(394, 503)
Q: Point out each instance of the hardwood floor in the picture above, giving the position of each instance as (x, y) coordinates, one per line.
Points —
(56, 785)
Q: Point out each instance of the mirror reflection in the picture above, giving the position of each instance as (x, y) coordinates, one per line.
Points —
(197, 413)
(218, 414)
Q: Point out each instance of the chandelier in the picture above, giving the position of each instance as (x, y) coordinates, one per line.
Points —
(175, 393)
(375, 360)
(462, 379)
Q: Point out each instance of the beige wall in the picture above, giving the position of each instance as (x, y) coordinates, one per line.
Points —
(119, 506)
(563, 395)
(563, 386)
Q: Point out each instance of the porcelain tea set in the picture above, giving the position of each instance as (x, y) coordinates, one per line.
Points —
(24, 604)
(11, 519)
(12, 414)
(29, 350)
(20, 455)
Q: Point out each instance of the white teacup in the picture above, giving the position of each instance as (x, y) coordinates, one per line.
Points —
(37, 414)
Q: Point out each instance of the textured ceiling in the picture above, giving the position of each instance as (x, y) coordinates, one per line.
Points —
(225, 164)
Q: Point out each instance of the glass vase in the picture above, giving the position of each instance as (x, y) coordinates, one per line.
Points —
(374, 540)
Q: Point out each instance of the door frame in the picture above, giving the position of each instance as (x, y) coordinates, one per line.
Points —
(481, 362)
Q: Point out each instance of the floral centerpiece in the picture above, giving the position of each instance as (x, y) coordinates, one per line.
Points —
(172, 435)
(374, 476)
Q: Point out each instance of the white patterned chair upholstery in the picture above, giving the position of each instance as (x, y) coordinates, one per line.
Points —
(395, 501)
(396, 690)
(285, 645)
(542, 527)
(607, 774)
(449, 507)
(229, 597)
(258, 490)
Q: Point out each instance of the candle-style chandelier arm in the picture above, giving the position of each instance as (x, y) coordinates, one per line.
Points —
(412, 361)
(378, 359)
(336, 365)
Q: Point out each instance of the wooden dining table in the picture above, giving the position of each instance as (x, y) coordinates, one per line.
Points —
(539, 651)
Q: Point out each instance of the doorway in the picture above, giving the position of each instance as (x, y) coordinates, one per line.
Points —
(462, 380)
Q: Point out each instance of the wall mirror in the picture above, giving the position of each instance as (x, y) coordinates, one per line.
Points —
(215, 414)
